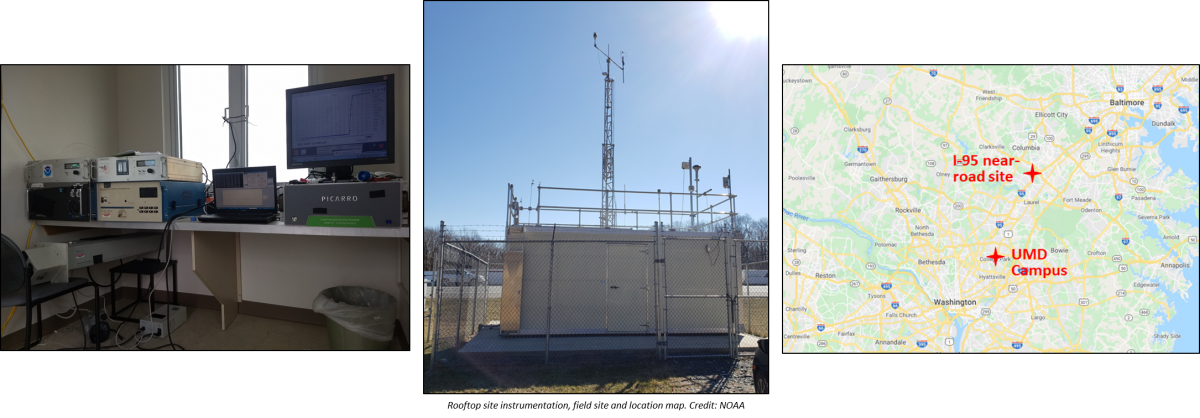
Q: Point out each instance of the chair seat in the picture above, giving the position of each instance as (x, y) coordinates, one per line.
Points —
(44, 292)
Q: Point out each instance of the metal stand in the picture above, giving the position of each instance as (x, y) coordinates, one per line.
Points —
(143, 267)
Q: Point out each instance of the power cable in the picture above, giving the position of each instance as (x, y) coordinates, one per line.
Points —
(234, 136)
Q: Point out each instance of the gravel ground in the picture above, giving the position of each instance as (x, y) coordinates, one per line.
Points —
(713, 375)
(684, 375)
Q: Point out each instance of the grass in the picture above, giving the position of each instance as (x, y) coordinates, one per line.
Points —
(451, 305)
(755, 317)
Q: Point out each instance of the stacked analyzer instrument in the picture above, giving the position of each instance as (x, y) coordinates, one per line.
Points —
(136, 188)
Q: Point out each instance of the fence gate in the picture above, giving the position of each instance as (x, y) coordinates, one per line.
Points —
(697, 307)
(458, 300)
(751, 302)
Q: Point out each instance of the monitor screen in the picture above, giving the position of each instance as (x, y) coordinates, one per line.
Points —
(341, 124)
(250, 188)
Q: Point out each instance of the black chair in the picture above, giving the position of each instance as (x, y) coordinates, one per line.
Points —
(15, 288)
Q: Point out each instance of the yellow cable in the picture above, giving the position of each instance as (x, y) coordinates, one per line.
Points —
(10, 314)
(14, 126)
(10, 123)
(31, 226)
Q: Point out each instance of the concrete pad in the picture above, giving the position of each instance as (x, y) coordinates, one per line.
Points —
(489, 342)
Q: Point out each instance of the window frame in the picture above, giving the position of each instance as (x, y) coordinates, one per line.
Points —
(237, 112)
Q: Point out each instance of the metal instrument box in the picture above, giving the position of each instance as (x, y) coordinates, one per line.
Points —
(152, 167)
(97, 250)
(147, 201)
(65, 202)
(65, 170)
(352, 205)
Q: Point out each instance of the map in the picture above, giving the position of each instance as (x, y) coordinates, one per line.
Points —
(970, 209)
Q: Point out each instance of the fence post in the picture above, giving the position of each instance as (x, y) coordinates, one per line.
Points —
(475, 299)
(437, 277)
(487, 289)
(730, 302)
(666, 309)
(658, 320)
(549, 293)
(459, 319)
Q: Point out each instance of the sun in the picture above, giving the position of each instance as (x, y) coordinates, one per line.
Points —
(741, 19)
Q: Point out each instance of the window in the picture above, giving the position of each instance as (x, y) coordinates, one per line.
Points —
(268, 116)
(203, 97)
(207, 91)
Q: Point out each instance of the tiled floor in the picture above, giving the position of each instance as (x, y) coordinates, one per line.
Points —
(202, 331)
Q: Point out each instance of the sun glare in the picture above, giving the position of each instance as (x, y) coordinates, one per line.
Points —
(738, 19)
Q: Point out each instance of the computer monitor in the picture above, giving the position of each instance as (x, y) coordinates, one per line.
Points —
(247, 189)
(342, 124)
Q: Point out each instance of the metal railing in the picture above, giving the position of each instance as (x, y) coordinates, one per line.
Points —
(691, 218)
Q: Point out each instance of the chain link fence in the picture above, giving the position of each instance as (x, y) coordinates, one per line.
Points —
(460, 301)
(754, 287)
(672, 296)
(698, 302)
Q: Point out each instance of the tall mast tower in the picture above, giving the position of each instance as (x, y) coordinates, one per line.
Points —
(607, 186)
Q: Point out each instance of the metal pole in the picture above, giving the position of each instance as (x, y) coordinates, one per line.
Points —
(666, 309)
(459, 320)
(732, 207)
(475, 300)
(691, 189)
(729, 302)
(658, 295)
(549, 292)
(437, 277)
(539, 208)
(487, 286)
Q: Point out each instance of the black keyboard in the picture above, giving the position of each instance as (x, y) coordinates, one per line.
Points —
(239, 218)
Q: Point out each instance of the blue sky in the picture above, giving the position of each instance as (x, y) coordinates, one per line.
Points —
(514, 93)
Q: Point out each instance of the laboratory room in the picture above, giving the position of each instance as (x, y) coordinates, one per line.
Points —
(209, 207)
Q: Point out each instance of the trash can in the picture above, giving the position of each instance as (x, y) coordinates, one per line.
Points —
(358, 318)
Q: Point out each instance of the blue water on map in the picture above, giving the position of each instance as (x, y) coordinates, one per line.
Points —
(916, 278)
(839, 222)
(1186, 322)
(960, 326)
(1130, 123)
(1182, 159)
(1151, 231)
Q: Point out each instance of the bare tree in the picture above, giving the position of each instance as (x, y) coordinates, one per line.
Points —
(430, 251)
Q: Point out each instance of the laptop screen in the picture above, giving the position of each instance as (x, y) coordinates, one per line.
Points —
(251, 188)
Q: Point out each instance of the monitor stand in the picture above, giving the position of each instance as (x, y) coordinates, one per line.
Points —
(338, 174)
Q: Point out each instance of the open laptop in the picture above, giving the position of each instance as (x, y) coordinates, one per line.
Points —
(243, 195)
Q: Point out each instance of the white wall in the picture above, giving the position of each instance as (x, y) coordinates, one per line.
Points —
(62, 112)
(318, 74)
(139, 108)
